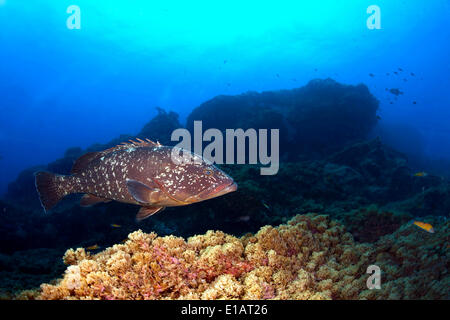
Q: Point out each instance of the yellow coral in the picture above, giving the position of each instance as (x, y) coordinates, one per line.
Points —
(310, 257)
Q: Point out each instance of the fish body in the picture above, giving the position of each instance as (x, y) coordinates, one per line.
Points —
(93, 247)
(265, 205)
(245, 218)
(115, 225)
(140, 172)
(395, 91)
(420, 174)
(423, 225)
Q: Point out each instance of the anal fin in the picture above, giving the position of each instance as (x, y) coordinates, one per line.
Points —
(146, 212)
(89, 200)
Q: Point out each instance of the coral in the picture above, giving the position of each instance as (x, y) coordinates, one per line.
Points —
(310, 257)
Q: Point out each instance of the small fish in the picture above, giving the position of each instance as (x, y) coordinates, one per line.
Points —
(114, 225)
(414, 102)
(93, 247)
(420, 174)
(378, 118)
(372, 75)
(387, 73)
(140, 172)
(277, 75)
(265, 205)
(412, 74)
(225, 61)
(405, 80)
(423, 225)
(315, 69)
(395, 91)
(400, 69)
(395, 72)
(124, 240)
(243, 218)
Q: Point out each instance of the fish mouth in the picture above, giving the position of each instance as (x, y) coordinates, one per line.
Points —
(221, 190)
(210, 193)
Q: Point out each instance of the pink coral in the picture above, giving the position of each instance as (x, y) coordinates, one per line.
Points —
(310, 257)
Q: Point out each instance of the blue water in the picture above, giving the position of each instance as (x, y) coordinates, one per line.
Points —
(61, 88)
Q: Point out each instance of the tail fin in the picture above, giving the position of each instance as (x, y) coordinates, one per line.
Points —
(48, 186)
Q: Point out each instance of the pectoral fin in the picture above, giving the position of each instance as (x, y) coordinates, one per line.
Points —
(89, 200)
(143, 193)
(146, 212)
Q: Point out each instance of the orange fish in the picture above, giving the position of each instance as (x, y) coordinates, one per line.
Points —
(425, 226)
(420, 174)
(94, 247)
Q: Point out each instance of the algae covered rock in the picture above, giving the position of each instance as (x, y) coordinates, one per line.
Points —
(316, 119)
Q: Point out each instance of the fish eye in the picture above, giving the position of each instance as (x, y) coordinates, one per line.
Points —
(208, 172)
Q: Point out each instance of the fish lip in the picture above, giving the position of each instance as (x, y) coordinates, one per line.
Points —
(231, 187)
(226, 189)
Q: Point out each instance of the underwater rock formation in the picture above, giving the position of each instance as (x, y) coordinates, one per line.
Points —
(316, 119)
(160, 128)
(28, 269)
(366, 186)
(310, 257)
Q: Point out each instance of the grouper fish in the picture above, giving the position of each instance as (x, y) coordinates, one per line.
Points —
(137, 172)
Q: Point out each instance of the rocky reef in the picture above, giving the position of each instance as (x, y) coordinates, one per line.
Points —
(314, 120)
(367, 190)
(310, 257)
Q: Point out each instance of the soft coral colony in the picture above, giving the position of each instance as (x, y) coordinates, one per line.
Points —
(310, 257)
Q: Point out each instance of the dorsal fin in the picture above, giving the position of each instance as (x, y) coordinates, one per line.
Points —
(85, 159)
(141, 143)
